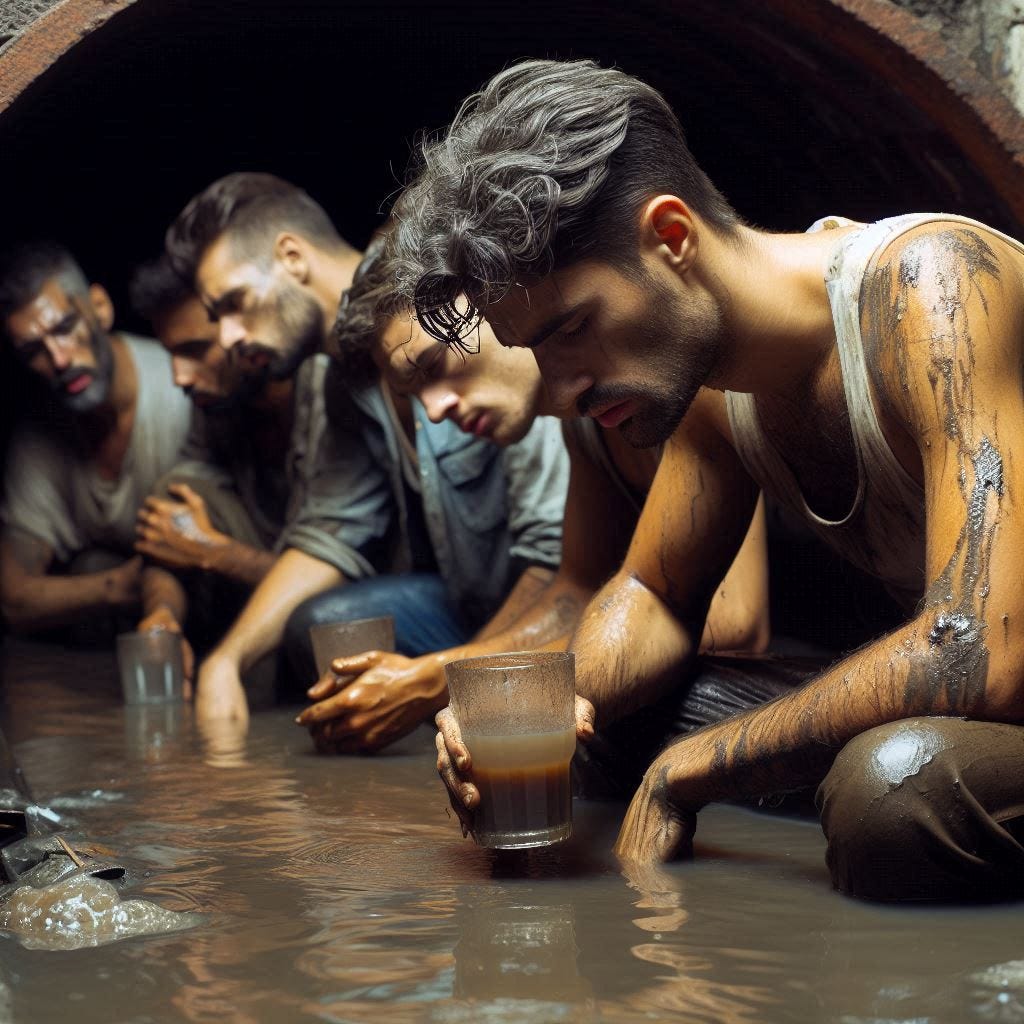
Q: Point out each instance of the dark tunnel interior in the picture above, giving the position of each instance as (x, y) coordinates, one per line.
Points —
(104, 148)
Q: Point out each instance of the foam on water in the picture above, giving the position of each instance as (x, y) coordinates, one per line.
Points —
(83, 911)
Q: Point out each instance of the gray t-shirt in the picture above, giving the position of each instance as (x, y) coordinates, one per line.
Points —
(54, 495)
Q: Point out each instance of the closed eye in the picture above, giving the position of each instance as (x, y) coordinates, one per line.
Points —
(576, 332)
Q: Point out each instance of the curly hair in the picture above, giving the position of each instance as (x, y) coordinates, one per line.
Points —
(549, 164)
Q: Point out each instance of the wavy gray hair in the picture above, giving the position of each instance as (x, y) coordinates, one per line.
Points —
(549, 164)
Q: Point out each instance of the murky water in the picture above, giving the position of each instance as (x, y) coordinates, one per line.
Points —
(340, 890)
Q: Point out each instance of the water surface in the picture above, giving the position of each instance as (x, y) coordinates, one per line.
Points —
(340, 890)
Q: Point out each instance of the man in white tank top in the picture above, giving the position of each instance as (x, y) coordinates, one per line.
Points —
(870, 378)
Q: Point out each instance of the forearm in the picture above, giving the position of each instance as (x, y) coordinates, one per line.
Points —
(44, 602)
(293, 577)
(630, 649)
(791, 742)
(240, 562)
(542, 605)
(161, 589)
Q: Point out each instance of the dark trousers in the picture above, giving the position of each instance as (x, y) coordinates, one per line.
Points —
(920, 809)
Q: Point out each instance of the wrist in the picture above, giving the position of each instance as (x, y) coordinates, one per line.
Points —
(217, 549)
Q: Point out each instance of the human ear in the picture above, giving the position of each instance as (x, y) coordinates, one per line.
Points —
(669, 231)
(290, 252)
(102, 306)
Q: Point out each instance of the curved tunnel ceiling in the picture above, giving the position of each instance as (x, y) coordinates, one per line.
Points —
(796, 108)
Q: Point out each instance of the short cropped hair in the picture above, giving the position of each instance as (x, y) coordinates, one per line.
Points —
(26, 266)
(156, 288)
(549, 164)
(365, 306)
(252, 209)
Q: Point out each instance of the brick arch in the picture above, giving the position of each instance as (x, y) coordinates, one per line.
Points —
(885, 42)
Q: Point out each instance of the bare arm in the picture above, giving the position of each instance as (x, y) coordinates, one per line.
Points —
(179, 535)
(738, 619)
(294, 577)
(643, 628)
(942, 319)
(32, 599)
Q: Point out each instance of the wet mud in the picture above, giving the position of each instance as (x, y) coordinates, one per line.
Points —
(341, 890)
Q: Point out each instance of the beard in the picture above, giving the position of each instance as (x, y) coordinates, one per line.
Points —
(680, 348)
(102, 373)
(300, 333)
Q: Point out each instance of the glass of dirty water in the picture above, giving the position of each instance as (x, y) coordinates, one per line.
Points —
(516, 714)
(151, 666)
(345, 639)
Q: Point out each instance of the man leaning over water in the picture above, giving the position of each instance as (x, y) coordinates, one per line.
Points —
(867, 376)
(498, 395)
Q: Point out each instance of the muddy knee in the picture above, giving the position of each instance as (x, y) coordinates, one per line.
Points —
(883, 805)
(927, 808)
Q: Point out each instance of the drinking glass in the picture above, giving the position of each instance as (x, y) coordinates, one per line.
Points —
(516, 713)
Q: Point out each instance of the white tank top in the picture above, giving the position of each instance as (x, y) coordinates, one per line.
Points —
(884, 531)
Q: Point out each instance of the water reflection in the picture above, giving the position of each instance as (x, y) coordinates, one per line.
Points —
(154, 733)
(339, 889)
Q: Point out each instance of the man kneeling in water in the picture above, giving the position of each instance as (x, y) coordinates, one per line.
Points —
(377, 697)
(870, 377)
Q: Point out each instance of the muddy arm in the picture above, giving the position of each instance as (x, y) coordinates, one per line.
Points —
(942, 324)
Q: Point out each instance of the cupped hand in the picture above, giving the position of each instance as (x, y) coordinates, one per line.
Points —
(371, 700)
(660, 822)
(219, 692)
(454, 762)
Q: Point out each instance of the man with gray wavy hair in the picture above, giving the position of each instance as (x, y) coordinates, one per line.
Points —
(866, 376)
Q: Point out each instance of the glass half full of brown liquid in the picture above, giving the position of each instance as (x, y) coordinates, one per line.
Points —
(525, 792)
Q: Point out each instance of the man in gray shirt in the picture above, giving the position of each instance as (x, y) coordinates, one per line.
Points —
(109, 422)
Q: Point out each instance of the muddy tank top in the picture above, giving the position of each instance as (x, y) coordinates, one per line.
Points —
(884, 531)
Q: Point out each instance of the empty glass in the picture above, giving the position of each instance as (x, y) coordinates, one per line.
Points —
(343, 639)
(151, 666)
(517, 717)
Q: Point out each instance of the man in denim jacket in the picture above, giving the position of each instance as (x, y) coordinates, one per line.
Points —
(270, 269)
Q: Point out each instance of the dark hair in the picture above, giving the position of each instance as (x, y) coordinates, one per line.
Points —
(156, 288)
(549, 164)
(26, 266)
(364, 306)
(252, 208)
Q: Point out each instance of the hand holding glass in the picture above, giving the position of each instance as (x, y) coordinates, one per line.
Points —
(516, 716)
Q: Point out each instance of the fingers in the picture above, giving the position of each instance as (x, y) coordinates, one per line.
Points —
(333, 707)
(452, 735)
(356, 663)
(463, 796)
(654, 831)
(584, 720)
(325, 686)
(188, 496)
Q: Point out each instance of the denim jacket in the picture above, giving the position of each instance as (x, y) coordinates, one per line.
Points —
(489, 511)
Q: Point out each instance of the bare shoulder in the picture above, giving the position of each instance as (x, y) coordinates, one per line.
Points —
(937, 270)
(942, 316)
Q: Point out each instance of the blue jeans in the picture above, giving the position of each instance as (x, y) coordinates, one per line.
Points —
(425, 620)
